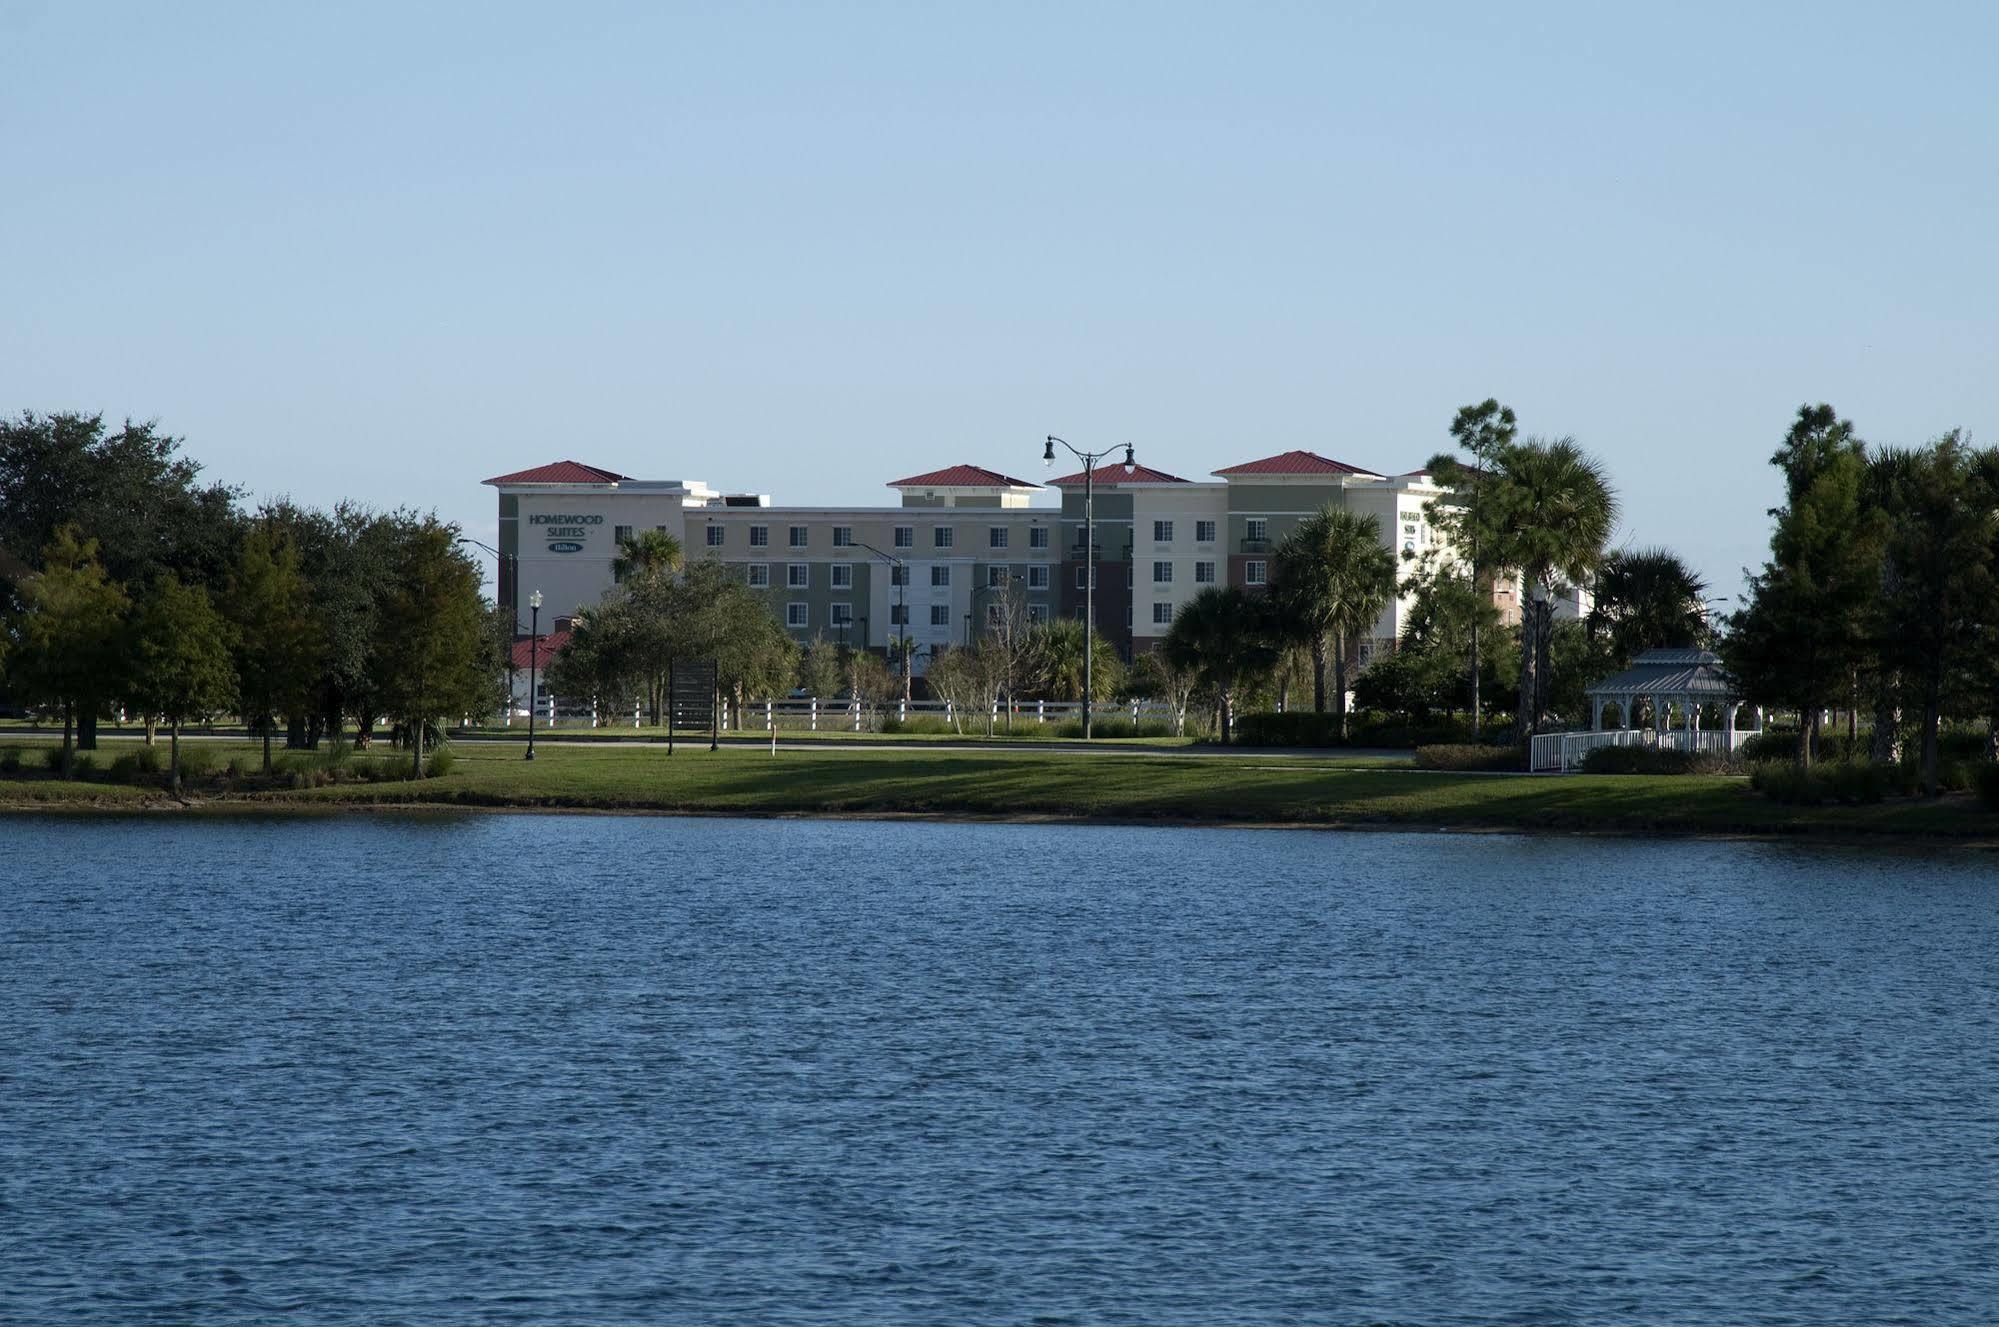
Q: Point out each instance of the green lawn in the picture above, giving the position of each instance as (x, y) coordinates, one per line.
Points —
(1060, 784)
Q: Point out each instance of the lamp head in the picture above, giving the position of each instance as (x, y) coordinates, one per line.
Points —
(1048, 452)
(1129, 464)
(534, 600)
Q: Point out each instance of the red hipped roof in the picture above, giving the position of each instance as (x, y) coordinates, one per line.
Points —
(1295, 463)
(551, 642)
(560, 472)
(1114, 474)
(962, 476)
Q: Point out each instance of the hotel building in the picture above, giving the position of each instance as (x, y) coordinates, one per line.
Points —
(956, 539)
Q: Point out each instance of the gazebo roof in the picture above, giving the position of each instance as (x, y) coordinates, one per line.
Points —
(1670, 673)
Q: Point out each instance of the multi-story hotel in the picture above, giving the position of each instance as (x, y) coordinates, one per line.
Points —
(930, 567)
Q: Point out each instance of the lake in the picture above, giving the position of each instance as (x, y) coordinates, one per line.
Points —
(564, 1069)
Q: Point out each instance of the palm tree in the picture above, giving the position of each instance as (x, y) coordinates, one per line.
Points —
(1223, 636)
(1054, 655)
(1333, 578)
(1647, 599)
(1558, 513)
(646, 553)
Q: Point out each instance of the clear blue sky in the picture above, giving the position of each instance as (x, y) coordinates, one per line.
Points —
(386, 251)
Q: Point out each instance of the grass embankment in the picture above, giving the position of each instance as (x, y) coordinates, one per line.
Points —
(1134, 787)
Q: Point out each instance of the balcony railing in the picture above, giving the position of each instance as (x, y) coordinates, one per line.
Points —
(1255, 546)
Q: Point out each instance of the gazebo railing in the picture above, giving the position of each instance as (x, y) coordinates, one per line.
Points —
(1561, 753)
(1558, 753)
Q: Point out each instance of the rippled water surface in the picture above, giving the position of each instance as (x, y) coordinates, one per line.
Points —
(591, 1070)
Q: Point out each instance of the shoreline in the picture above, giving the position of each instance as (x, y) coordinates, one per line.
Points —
(283, 807)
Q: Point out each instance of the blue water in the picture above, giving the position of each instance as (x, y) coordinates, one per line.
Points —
(588, 1070)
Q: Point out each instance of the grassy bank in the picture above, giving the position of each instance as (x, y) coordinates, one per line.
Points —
(1059, 785)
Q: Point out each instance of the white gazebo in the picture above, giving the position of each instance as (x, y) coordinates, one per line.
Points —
(1685, 678)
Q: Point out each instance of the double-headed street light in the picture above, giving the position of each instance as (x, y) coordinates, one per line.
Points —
(1089, 460)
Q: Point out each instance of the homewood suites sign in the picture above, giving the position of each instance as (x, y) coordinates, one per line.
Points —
(565, 533)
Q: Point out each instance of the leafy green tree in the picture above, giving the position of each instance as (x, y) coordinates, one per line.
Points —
(1466, 516)
(1647, 599)
(68, 639)
(181, 665)
(276, 648)
(128, 489)
(1223, 636)
(593, 663)
(1333, 576)
(1802, 631)
(819, 672)
(1939, 539)
(429, 634)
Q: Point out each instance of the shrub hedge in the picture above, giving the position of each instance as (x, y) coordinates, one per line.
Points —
(1470, 756)
(1652, 760)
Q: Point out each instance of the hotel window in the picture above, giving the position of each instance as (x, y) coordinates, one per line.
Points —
(898, 615)
(898, 573)
(995, 577)
(760, 575)
(714, 536)
(1130, 575)
(1204, 573)
(992, 616)
(798, 536)
(1037, 537)
(840, 615)
(1037, 578)
(843, 575)
(798, 615)
(1256, 528)
(942, 537)
(940, 615)
(1127, 617)
(905, 536)
(1162, 615)
(940, 575)
(621, 533)
(843, 536)
(1079, 577)
(1204, 532)
(1162, 573)
(1037, 612)
(759, 536)
(1162, 532)
(1253, 573)
(996, 537)
(798, 575)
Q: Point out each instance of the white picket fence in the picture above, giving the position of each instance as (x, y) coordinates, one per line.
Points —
(1560, 753)
(812, 714)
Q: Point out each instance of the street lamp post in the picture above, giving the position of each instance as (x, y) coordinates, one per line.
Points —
(534, 650)
(1089, 460)
(901, 578)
